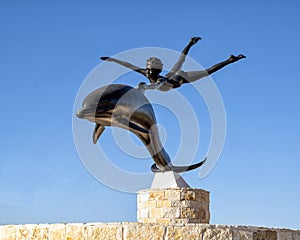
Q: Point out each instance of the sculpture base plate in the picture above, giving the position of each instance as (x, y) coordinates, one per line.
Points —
(168, 179)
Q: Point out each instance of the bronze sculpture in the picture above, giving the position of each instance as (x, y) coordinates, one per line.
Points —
(126, 107)
(176, 77)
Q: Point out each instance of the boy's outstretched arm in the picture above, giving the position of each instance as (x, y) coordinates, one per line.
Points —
(125, 64)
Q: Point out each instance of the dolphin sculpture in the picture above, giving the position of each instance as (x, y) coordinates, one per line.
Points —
(126, 107)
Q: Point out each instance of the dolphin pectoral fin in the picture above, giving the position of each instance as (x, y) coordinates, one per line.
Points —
(179, 169)
(130, 125)
(138, 128)
(97, 132)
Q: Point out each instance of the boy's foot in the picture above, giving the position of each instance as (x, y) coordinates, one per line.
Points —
(236, 58)
(106, 59)
(194, 40)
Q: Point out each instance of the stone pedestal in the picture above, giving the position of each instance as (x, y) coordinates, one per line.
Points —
(171, 200)
(173, 205)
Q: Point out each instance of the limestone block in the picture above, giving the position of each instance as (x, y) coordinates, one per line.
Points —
(165, 221)
(171, 213)
(103, 231)
(183, 233)
(177, 203)
(202, 195)
(196, 220)
(164, 203)
(265, 235)
(195, 204)
(187, 195)
(187, 203)
(188, 213)
(143, 213)
(38, 232)
(157, 195)
(202, 213)
(156, 212)
(143, 196)
(241, 234)
(296, 235)
(148, 204)
(8, 232)
(179, 221)
(175, 233)
(143, 231)
(218, 234)
(22, 232)
(57, 231)
(283, 235)
(148, 220)
(172, 194)
(75, 231)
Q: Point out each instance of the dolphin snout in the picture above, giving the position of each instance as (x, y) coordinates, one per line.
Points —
(86, 113)
(79, 113)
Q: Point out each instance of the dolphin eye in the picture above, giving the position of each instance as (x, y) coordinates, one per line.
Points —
(105, 105)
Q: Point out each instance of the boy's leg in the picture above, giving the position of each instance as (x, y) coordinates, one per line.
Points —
(182, 57)
(220, 65)
(195, 75)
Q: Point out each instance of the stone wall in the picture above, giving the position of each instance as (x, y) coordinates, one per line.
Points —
(141, 231)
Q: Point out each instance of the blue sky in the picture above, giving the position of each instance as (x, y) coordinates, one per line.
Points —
(47, 49)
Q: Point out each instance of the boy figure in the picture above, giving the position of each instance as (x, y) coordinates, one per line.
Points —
(176, 77)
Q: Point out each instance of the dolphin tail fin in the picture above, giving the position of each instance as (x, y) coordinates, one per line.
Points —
(97, 132)
(178, 169)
